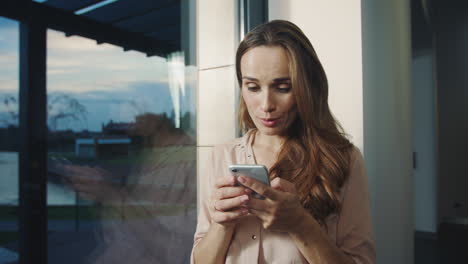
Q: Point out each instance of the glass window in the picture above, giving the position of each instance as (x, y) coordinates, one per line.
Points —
(122, 152)
(9, 102)
(121, 160)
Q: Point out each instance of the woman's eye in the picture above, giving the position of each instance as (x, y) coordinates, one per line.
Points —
(252, 88)
(285, 89)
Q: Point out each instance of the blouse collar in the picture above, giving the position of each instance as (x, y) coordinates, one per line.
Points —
(246, 145)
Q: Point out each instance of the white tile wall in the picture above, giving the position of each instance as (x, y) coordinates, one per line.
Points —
(216, 99)
(216, 33)
(216, 117)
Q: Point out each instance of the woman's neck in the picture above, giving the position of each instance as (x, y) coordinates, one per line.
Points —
(272, 142)
(266, 148)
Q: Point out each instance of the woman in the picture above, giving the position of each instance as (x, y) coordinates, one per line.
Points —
(316, 209)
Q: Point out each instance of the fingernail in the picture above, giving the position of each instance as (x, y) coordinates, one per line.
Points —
(245, 198)
(245, 211)
(247, 191)
(241, 179)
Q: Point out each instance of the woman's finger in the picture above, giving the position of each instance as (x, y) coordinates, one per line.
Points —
(229, 204)
(102, 172)
(225, 181)
(258, 205)
(262, 215)
(73, 170)
(78, 179)
(283, 185)
(259, 187)
(229, 192)
(223, 217)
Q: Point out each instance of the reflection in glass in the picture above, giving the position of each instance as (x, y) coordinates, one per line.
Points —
(8, 140)
(122, 154)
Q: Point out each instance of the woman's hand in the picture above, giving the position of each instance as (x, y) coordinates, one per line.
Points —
(92, 183)
(281, 209)
(228, 201)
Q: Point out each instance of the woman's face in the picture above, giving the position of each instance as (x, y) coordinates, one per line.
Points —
(267, 90)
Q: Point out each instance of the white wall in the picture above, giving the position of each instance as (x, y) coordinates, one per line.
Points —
(216, 97)
(365, 49)
(424, 142)
(387, 125)
(334, 29)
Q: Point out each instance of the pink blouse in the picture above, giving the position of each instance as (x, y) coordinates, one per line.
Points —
(350, 229)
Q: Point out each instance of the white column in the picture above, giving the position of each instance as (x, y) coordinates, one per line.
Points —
(387, 125)
(216, 99)
(424, 142)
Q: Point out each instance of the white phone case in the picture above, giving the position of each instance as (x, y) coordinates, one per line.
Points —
(257, 172)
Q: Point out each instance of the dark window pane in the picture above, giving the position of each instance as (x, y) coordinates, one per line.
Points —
(8, 140)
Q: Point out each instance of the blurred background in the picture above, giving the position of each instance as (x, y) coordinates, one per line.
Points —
(109, 109)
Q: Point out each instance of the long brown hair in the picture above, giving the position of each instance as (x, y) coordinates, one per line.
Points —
(316, 153)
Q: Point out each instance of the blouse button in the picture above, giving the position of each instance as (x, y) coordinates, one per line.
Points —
(254, 237)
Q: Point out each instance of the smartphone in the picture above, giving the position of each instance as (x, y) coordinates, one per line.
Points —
(257, 172)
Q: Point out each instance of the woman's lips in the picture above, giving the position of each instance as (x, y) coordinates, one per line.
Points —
(269, 122)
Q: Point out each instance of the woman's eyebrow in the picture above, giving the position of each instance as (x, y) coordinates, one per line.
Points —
(280, 79)
(250, 78)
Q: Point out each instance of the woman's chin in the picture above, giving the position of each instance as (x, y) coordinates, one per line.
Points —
(269, 131)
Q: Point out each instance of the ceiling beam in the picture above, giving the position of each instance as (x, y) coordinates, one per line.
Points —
(72, 24)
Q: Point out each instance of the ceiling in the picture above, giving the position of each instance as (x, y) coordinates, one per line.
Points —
(153, 27)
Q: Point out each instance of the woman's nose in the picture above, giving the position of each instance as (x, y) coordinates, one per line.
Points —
(268, 104)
